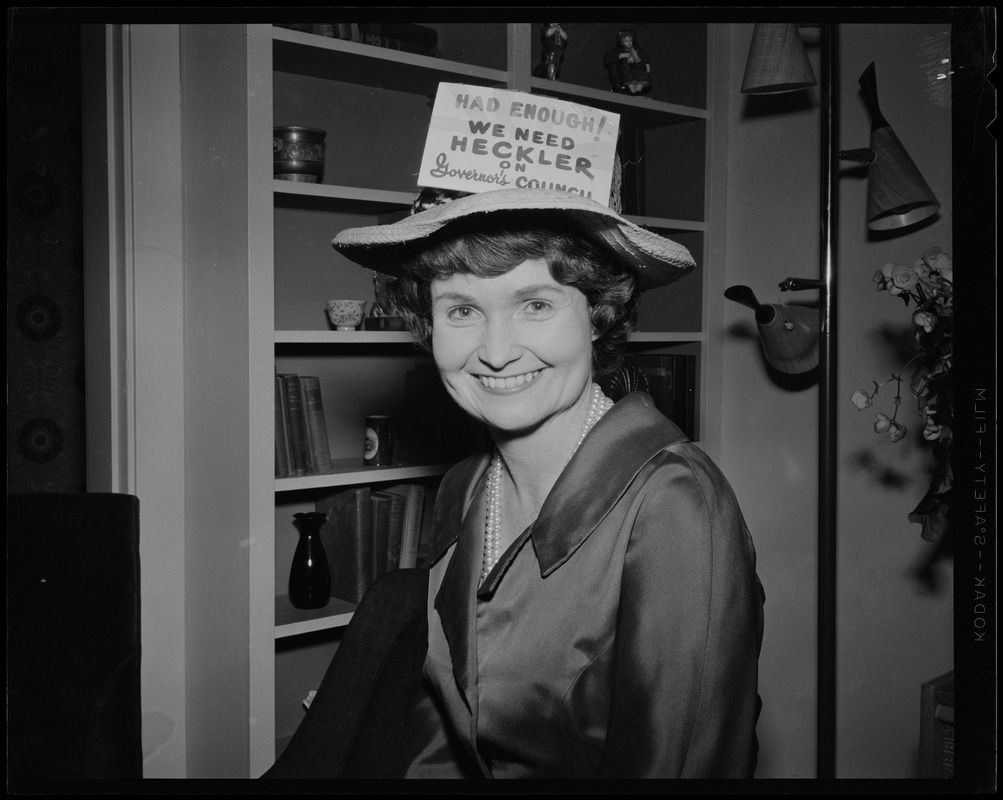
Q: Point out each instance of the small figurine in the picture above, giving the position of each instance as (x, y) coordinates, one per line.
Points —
(379, 307)
(429, 197)
(380, 318)
(628, 66)
(555, 40)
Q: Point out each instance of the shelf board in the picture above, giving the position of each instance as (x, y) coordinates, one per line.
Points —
(350, 471)
(367, 65)
(355, 338)
(668, 224)
(380, 198)
(292, 621)
(383, 200)
(667, 337)
(344, 337)
(635, 112)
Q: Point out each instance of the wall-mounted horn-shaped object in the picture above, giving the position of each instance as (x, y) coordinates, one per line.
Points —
(789, 334)
(897, 194)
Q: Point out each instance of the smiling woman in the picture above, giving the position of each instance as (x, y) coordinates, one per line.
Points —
(593, 608)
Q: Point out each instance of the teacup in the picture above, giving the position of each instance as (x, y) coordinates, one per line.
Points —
(346, 315)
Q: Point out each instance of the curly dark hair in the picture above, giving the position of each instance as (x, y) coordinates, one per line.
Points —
(487, 248)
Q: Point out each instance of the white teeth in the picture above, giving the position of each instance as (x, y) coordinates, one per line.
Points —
(512, 382)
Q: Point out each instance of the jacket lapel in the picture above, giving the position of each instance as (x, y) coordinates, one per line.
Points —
(459, 518)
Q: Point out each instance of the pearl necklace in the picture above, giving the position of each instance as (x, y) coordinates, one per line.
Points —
(598, 406)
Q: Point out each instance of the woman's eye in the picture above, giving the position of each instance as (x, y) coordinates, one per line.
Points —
(539, 307)
(461, 314)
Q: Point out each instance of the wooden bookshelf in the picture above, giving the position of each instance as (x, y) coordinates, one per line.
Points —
(323, 82)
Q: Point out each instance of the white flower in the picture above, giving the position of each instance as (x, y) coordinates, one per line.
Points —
(932, 431)
(925, 320)
(860, 399)
(882, 422)
(903, 278)
(896, 431)
(938, 260)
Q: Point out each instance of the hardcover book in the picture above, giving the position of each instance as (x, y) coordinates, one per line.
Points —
(360, 33)
(299, 447)
(379, 506)
(320, 449)
(281, 432)
(412, 496)
(424, 553)
(395, 529)
(347, 538)
(405, 31)
(672, 385)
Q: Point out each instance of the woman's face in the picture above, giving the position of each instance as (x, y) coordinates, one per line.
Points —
(514, 350)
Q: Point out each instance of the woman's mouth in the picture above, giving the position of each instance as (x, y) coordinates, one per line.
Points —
(509, 382)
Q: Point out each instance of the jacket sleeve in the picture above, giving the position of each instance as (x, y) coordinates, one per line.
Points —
(689, 630)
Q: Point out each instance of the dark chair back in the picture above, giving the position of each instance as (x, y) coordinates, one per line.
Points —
(73, 637)
(354, 726)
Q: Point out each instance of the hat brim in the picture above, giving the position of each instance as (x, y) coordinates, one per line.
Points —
(654, 259)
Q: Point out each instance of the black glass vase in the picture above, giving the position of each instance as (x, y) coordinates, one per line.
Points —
(309, 576)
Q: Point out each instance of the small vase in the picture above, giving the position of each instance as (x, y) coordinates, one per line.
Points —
(309, 576)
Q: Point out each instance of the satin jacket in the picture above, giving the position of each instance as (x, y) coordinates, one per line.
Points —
(618, 637)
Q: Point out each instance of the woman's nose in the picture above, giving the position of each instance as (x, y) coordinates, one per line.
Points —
(499, 346)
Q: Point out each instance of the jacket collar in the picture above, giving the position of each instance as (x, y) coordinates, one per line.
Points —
(625, 439)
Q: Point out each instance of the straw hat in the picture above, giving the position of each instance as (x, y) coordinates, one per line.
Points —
(655, 259)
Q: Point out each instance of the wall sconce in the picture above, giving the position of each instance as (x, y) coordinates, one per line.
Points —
(789, 334)
(897, 197)
(778, 61)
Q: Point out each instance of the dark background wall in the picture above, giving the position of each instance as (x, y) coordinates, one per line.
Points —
(45, 311)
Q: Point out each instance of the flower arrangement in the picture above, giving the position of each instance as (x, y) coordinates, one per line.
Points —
(928, 285)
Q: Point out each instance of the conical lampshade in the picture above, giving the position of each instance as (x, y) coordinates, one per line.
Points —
(777, 61)
(897, 195)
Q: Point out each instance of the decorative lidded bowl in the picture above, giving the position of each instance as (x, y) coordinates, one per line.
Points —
(298, 153)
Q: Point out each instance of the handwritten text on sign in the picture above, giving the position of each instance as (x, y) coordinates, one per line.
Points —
(482, 138)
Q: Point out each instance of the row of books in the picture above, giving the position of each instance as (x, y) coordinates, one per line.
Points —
(370, 532)
(406, 36)
(669, 379)
(301, 443)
